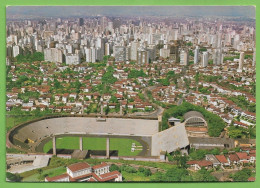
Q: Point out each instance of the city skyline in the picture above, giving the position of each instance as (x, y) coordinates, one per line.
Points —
(175, 92)
(79, 11)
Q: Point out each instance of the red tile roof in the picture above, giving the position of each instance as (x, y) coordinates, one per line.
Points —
(110, 176)
(103, 164)
(55, 178)
(221, 158)
(233, 157)
(251, 179)
(200, 163)
(78, 166)
(242, 155)
(80, 177)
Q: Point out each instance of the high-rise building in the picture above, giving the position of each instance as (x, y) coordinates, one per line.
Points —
(100, 43)
(99, 54)
(165, 53)
(81, 22)
(16, 50)
(151, 52)
(184, 57)
(53, 55)
(142, 57)
(196, 55)
(241, 61)
(127, 53)
(110, 27)
(88, 54)
(72, 59)
(93, 55)
(217, 56)
(119, 53)
(156, 38)
(134, 47)
(205, 59)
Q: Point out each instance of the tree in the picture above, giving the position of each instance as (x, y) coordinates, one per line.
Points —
(225, 151)
(13, 177)
(147, 172)
(242, 175)
(215, 151)
(197, 154)
(175, 174)
(113, 167)
(181, 160)
(203, 175)
(234, 132)
(113, 99)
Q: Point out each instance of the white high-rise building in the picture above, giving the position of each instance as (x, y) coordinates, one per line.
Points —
(217, 56)
(196, 55)
(93, 55)
(241, 61)
(100, 44)
(184, 57)
(142, 57)
(73, 59)
(134, 47)
(16, 50)
(53, 55)
(165, 52)
(119, 53)
(88, 54)
(205, 59)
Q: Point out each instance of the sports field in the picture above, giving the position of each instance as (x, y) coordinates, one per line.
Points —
(123, 145)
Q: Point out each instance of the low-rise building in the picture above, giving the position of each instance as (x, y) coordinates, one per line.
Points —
(83, 172)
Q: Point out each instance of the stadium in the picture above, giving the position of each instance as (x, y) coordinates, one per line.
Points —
(32, 136)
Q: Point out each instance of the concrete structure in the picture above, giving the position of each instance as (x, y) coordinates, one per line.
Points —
(165, 53)
(205, 59)
(80, 143)
(16, 50)
(151, 52)
(19, 163)
(196, 55)
(211, 143)
(134, 47)
(194, 118)
(217, 56)
(107, 148)
(119, 53)
(241, 61)
(184, 57)
(53, 55)
(169, 140)
(72, 59)
(142, 57)
(144, 130)
(54, 145)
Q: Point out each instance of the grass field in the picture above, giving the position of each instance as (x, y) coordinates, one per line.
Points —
(123, 145)
(48, 172)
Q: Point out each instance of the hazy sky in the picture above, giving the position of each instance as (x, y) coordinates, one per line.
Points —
(67, 11)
